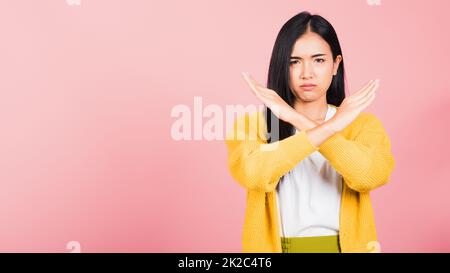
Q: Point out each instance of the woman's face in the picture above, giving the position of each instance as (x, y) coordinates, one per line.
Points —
(312, 63)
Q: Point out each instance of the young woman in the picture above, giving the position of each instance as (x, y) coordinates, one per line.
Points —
(308, 179)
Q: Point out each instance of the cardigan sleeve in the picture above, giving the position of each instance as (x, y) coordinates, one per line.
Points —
(257, 165)
(365, 162)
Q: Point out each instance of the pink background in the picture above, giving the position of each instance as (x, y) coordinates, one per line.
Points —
(86, 96)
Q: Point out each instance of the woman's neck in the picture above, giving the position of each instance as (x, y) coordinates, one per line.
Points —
(314, 110)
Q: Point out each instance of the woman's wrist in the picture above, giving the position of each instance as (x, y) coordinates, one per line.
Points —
(332, 125)
(321, 132)
(300, 122)
(305, 123)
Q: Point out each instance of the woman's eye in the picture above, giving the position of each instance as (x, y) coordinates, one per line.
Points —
(294, 61)
(320, 60)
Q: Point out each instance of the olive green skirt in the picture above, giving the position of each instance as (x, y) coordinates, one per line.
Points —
(317, 244)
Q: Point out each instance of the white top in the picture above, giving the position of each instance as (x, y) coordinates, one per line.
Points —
(309, 197)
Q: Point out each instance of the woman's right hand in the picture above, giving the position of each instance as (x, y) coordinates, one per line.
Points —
(353, 105)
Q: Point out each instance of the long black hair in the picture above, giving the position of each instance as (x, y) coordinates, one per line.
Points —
(278, 76)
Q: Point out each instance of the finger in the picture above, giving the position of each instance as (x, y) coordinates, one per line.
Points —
(249, 81)
(270, 96)
(259, 90)
(259, 96)
(369, 101)
(368, 84)
(265, 97)
(369, 93)
(267, 91)
(363, 90)
(268, 102)
(363, 95)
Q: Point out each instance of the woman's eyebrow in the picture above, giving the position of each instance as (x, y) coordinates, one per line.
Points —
(312, 56)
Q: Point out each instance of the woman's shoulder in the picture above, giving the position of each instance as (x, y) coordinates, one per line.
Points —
(250, 117)
(367, 122)
(370, 119)
(364, 122)
(363, 117)
(249, 124)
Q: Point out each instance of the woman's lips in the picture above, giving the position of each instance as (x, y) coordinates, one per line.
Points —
(308, 87)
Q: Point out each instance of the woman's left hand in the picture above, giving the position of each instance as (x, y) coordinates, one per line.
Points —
(271, 99)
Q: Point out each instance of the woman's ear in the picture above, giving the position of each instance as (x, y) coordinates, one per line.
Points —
(336, 64)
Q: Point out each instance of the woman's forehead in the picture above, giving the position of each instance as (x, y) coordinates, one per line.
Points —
(310, 44)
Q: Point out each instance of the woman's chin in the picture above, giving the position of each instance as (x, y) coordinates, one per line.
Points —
(305, 97)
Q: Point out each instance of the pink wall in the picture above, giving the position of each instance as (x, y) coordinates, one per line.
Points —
(87, 91)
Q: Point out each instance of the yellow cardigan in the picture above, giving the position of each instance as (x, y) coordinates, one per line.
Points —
(361, 153)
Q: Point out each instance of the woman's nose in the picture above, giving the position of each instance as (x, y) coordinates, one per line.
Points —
(306, 71)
